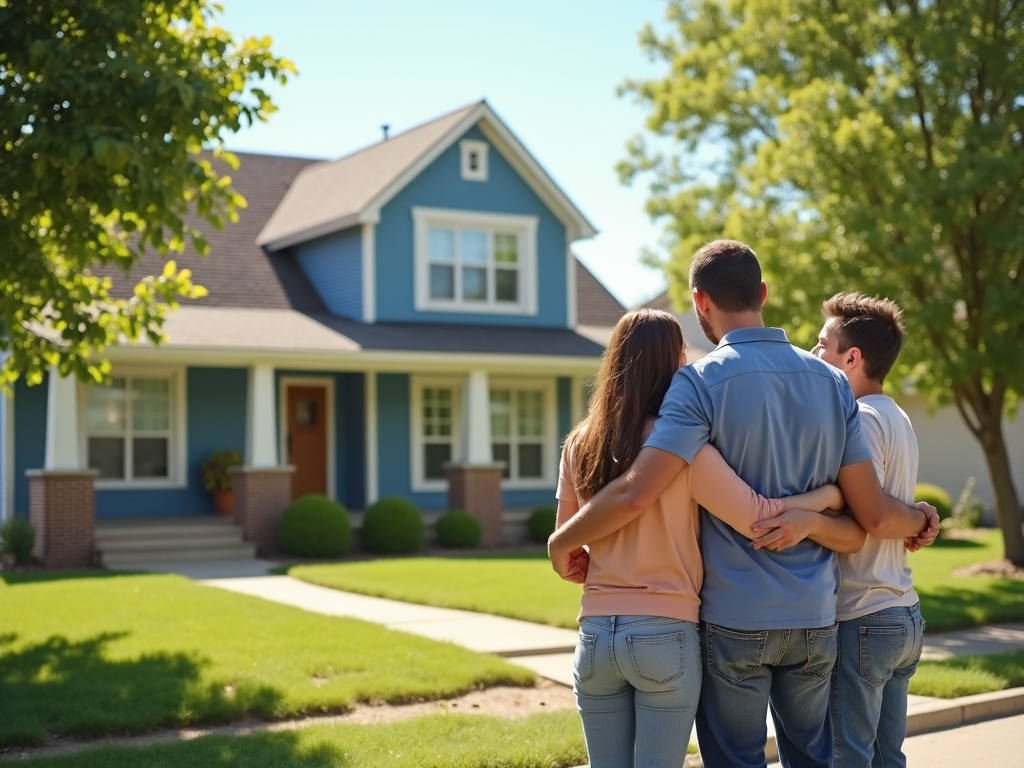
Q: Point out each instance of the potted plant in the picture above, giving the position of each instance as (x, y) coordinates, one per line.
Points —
(216, 476)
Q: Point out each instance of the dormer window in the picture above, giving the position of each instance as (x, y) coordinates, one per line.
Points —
(475, 262)
(474, 160)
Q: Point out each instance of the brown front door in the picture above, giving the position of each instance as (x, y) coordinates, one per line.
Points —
(307, 439)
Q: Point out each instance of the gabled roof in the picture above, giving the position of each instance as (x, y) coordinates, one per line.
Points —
(328, 197)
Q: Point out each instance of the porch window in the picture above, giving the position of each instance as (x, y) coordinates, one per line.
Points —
(470, 261)
(128, 429)
(518, 432)
(438, 431)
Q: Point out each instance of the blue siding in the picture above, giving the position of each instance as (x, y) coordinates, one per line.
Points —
(29, 437)
(216, 420)
(334, 265)
(440, 186)
(564, 408)
(349, 433)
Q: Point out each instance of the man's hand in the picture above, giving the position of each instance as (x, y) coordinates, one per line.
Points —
(930, 532)
(571, 566)
(785, 530)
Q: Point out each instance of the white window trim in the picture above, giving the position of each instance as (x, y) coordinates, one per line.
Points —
(416, 386)
(549, 439)
(467, 147)
(525, 227)
(282, 420)
(177, 453)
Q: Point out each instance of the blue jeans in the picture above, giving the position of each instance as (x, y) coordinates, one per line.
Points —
(878, 654)
(637, 681)
(745, 673)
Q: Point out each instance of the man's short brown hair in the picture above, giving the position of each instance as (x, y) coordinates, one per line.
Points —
(874, 326)
(729, 273)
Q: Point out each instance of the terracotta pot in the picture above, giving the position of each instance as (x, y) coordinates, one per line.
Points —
(224, 501)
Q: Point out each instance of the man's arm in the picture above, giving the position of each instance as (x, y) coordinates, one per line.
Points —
(877, 512)
(620, 502)
(831, 529)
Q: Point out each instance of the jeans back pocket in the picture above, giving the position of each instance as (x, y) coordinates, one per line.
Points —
(734, 655)
(583, 661)
(659, 659)
(881, 651)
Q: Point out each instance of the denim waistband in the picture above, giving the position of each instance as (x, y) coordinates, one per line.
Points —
(622, 622)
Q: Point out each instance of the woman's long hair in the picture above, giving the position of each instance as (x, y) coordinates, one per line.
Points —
(636, 371)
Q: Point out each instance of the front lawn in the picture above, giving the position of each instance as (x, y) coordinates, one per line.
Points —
(968, 675)
(521, 587)
(102, 654)
(552, 740)
(950, 602)
(526, 587)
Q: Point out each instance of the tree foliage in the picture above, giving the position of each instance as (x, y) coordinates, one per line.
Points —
(873, 145)
(104, 107)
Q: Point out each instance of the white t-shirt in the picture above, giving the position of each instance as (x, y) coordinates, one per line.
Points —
(878, 576)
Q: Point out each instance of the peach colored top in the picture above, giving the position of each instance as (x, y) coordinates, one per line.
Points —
(653, 565)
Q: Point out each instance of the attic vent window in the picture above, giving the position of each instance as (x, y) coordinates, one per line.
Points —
(474, 160)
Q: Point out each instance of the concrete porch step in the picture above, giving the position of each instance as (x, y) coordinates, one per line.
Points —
(126, 543)
(144, 558)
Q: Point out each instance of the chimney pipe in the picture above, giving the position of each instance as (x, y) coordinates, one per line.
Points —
(385, 128)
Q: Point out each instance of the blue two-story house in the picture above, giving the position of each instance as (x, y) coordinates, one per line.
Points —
(369, 320)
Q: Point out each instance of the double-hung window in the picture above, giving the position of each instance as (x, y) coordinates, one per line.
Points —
(129, 429)
(467, 261)
(435, 423)
(521, 432)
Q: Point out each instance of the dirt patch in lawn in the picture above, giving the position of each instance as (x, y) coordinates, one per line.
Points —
(500, 701)
(1003, 568)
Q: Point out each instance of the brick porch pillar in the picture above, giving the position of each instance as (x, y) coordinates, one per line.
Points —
(261, 495)
(62, 508)
(476, 488)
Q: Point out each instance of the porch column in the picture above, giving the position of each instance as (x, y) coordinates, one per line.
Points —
(262, 487)
(62, 499)
(474, 484)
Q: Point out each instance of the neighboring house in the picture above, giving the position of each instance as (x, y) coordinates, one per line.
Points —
(949, 453)
(369, 320)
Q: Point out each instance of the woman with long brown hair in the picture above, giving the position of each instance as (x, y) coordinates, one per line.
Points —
(637, 666)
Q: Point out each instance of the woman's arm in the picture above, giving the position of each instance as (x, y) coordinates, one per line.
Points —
(828, 496)
(716, 487)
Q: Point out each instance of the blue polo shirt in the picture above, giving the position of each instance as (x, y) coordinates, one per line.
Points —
(786, 422)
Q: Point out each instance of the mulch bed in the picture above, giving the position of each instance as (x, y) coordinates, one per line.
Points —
(1002, 568)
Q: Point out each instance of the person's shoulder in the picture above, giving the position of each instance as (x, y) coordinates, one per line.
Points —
(883, 409)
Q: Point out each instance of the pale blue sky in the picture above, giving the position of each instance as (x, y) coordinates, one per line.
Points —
(549, 68)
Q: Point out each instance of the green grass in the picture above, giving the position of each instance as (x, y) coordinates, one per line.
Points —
(949, 601)
(522, 587)
(87, 656)
(968, 675)
(546, 740)
(525, 587)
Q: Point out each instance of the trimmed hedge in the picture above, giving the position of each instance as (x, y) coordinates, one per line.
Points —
(392, 526)
(459, 530)
(315, 526)
(17, 539)
(541, 524)
(936, 496)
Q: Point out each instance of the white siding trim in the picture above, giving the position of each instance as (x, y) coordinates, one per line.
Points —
(571, 306)
(282, 421)
(7, 467)
(369, 273)
(372, 475)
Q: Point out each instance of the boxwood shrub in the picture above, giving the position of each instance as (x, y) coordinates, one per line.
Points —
(392, 526)
(315, 526)
(459, 530)
(935, 496)
(541, 524)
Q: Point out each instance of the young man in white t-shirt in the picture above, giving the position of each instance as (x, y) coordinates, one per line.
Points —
(879, 615)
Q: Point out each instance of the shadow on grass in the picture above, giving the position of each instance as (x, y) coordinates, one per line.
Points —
(991, 602)
(942, 543)
(263, 750)
(79, 688)
(14, 578)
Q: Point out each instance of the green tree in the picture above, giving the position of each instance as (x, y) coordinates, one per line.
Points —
(104, 109)
(875, 145)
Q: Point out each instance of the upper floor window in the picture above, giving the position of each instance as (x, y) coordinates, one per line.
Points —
(473, 160)
(473, 262)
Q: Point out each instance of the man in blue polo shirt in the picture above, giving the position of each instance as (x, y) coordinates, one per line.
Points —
(787, 423)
